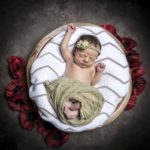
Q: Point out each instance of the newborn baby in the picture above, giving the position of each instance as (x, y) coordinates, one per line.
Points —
(80, 65)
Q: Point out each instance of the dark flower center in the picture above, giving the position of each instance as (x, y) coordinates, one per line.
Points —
(19, 102)
(32, 116)
(48, 126)
(58, 135)
(126, 45)
(17, 67)
(16, 89)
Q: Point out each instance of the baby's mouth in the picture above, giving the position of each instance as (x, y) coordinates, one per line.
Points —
(84, 64)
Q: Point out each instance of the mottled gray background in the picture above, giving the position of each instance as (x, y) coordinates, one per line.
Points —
(24, 23)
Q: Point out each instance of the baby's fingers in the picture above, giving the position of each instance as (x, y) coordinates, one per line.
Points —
(102, 65)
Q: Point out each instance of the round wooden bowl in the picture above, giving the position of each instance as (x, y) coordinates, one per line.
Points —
(34, 54)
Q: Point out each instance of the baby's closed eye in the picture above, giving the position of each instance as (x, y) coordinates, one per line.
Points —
(92, 58)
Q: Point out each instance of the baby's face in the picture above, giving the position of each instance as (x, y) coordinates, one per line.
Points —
(85, 58)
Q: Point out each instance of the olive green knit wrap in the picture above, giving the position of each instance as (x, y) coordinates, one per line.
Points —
(60, 91)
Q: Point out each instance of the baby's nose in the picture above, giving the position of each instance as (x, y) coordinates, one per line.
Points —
(86, 59)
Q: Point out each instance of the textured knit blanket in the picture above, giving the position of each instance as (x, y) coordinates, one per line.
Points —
(61, 90)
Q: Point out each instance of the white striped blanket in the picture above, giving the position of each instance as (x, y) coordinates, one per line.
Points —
(49, 65)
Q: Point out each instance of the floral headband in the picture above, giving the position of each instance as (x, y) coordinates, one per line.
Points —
(84, 44)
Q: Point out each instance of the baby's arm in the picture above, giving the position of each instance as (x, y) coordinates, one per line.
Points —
(99, 69)
(64, 44)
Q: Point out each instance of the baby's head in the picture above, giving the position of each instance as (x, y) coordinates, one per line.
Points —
(86, 50)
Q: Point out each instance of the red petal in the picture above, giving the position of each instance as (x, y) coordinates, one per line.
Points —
(133, 53)
(50, 141)
(110, 28)
(19, 103)
(138, 72)
(128, 43)
(139, 84)
(44, 127)
(65, 137)
(15, 60)
(16, 64)
(135, 65)
(9, 93)
(19, 74)
(23, 118)
(133, 56)
(20, 97)
(18, 107)
(132, 100)
(130, 105)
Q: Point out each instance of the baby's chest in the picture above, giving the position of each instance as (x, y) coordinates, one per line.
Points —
(80, 72)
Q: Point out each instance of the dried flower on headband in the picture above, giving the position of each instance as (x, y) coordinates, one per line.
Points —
(83, 44)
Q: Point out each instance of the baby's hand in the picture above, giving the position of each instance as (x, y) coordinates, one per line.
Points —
(100, 67)
(71, 28)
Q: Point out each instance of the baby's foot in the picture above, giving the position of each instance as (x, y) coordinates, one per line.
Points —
(70, 114)
(100, 67)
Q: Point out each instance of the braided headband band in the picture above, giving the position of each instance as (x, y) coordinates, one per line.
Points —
(84, 44)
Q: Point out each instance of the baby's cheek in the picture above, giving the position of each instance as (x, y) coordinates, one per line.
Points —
(80, 59)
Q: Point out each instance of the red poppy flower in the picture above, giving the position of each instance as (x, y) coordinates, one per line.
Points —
(15, 88)
(133, 59)
(137, 72)
(56, 138)
(133, 56)
(44, 127)
(139, 84)
(28, 119)
(128, 43)
(18, 103)
(132, 100)
(16, 66)
(110, 28)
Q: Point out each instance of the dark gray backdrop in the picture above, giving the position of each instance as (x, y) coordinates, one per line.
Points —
(24, 23)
